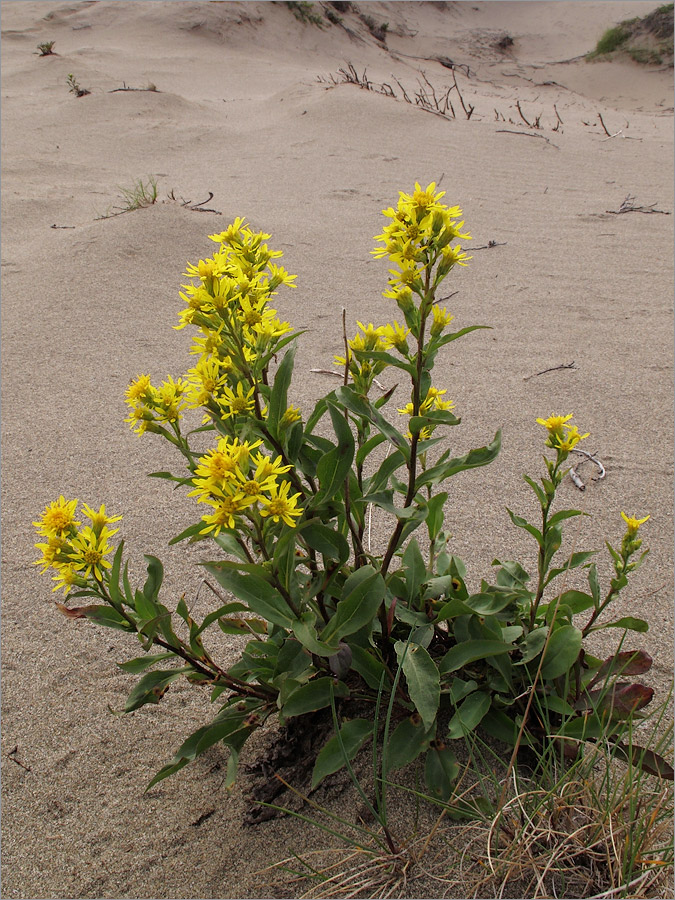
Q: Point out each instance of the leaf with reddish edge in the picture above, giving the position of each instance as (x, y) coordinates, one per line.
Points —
(622, 699)
(647, 760)
(628, 662)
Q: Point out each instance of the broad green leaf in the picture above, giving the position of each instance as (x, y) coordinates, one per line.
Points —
(368, 667)
(532, 645)
(106, 615)
(440, 772)
(408, 740)
(331, 757)
(385, 500)
(415, 571)
(435, 514)
(313, 696)
(565, 514)
(334, 466)
(362, 594)
(434, 417)
(258, 594)
(305, 631)
(325, 540)
(389, 358)
(447, 338)
(151, 687)
(154, 579)
(460, 689)
(562, 652)
(278, 401)
(541, 496)
(594, 583)
(469, 651)
(469, 715)
(422, 679)
(487, 604)
(191, 531)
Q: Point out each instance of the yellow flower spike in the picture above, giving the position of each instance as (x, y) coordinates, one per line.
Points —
(57, 518)
(633, 524)
(394, 335)
(291, 416)
(50, 553)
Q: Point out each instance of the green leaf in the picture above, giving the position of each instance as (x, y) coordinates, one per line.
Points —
(487, 604)
(469, 715)
(151, 688)
(363, 408)
(435, 514)
(325, 540)
(362, 594)
(532, 645)
(192, 531)
(278, 401)
(469, 651)
(523, 523)
(258, 594)
(447, 338)
(408, 740)
(331, 758)
(368, 667)
(106, 615)
(415, 571)
(594, 584)
(305, 631)
(565, 514)
(541, 496)
(629, 622)
(313, 696)
(390, 359)
(433, 418)
(422, 679)
(154, 579)
(481, 456)
(440, 772)
(334, 465)
(575, 560)
(562, 652)
(143, 662)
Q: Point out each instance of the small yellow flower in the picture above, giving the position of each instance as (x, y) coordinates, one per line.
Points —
(554, 424)
(99, 519)
(66, 579)
(441, 318)
(88, 550)
(235, 404)
(280, 505)
(140, 389)
(633, 524)
(57, 518)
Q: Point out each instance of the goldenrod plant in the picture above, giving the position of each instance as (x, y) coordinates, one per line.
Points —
(284, 509)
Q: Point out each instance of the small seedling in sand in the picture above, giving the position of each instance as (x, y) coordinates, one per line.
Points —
(46, 49)
(75, 87)
(136, 197)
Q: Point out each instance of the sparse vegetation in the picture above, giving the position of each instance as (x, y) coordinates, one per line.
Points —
(333, 17)
(647, 40)
(304, 12)
(75, 87)
(46, 49)
(379, 32)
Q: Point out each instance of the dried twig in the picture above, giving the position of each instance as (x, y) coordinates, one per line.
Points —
(628, 205)
(593, 458)
(527, 134)
(522, 116)
(488, 246)
(604, 127)
(571, 365)
(11, 756)
(62, 226)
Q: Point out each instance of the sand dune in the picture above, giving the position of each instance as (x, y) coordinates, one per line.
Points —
(245, 109)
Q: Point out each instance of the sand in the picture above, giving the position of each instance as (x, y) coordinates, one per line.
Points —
(88, 303)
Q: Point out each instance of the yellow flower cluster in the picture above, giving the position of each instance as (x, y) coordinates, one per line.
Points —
(419, 238)
(373, 340)
(75, 552)
(228, 301)
(152, 406)
(432, 401)
(561, 436)
(237, 482)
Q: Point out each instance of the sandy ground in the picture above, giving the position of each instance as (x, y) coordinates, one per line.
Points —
(88, 303)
